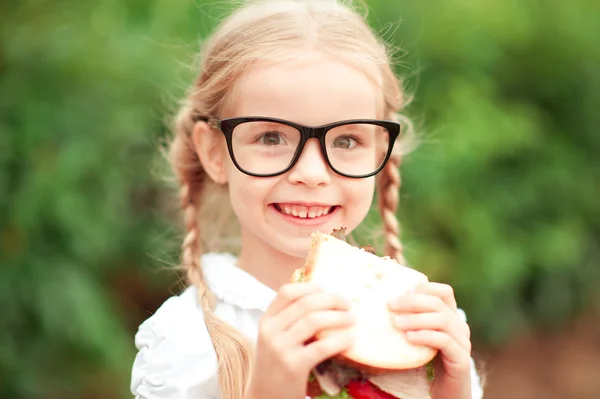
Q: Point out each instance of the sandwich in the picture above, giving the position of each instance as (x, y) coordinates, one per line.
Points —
(381, 364)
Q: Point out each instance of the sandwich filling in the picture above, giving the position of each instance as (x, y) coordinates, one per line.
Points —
(337, 380)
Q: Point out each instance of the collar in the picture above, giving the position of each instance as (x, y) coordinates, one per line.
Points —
(234, 285)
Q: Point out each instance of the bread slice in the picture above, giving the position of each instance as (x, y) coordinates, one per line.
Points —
(368, 282)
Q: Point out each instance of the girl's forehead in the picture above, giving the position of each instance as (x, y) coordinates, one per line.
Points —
(313, 90)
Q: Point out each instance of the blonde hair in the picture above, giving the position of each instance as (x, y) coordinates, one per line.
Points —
(268, 30)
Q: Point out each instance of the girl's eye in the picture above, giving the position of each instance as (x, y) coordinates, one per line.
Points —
(345, 142)
(271, 138)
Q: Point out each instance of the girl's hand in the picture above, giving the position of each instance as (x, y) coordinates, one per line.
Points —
(429, 316)
(283, 359)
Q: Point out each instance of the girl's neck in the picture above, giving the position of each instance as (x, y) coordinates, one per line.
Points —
(269, 266)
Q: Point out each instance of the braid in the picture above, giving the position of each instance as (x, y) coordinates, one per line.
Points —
(389, 189)
(191, 245)
(232, 348)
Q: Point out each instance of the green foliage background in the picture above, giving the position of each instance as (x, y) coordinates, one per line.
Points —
(500, 199)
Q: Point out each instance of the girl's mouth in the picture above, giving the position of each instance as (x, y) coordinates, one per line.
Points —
(304, 211)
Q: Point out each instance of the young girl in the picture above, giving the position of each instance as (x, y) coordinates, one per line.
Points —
(294, 118)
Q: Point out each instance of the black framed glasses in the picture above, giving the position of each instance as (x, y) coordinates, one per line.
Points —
(265, 147)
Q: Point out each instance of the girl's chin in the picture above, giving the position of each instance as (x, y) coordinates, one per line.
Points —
(296, 248)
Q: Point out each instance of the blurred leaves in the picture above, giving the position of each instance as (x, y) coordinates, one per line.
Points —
(500, 199)
(81, 111)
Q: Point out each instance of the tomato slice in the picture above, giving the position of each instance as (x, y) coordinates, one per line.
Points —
(363, 389)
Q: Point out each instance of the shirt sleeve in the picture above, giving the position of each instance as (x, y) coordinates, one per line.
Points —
(175, 359)
(476, 387)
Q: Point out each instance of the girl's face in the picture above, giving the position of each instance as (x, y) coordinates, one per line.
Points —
(312, 92)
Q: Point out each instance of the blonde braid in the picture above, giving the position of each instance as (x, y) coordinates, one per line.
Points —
(191, 244)
(233, 349)
(389, 191)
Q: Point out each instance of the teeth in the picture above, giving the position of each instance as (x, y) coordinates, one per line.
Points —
(304, 212)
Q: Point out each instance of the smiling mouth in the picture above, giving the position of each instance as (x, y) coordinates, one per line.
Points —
(304, 212)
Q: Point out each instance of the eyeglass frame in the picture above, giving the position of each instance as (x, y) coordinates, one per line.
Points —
(227, 125)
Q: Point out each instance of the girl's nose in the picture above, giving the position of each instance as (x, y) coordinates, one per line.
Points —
(311, 168)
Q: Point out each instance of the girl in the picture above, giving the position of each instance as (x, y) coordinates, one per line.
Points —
(293, 117)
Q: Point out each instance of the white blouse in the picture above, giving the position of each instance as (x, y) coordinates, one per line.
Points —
(176, 359)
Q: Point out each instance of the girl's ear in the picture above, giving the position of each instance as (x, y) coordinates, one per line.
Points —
(211, 150)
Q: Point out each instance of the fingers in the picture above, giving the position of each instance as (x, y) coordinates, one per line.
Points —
(445, 322)
(318, 321)
(298, 313)
(430, 317)
(327, 347)
(288, 294)
(306, 305)
(417, 303)
(442, 291)
(432, 307)
(455, 357)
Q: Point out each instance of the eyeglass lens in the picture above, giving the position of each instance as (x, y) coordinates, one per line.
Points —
(262, 147)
